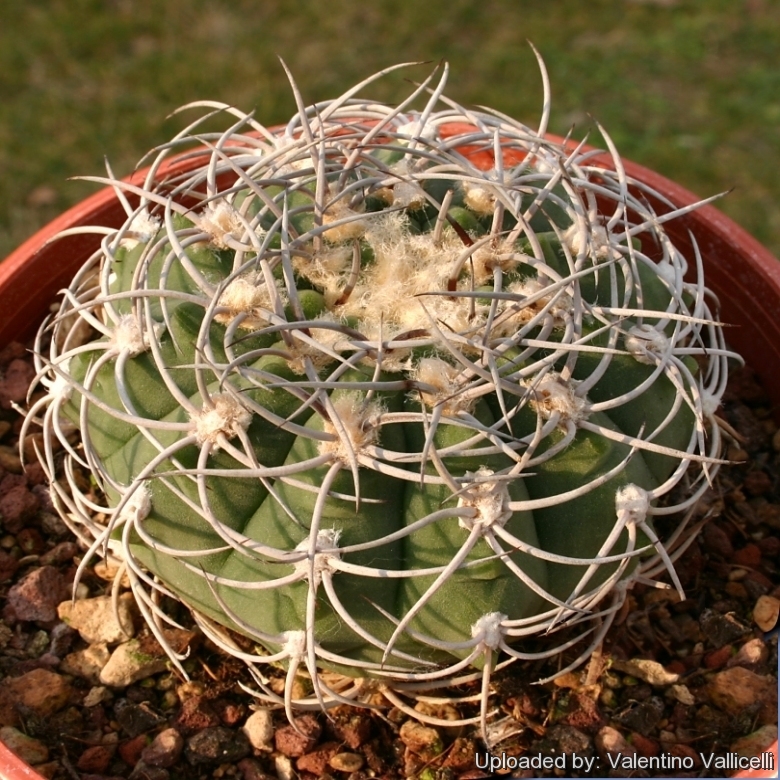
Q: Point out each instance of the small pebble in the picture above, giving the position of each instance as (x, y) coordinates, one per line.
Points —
(217, 745)
(347, 762)
(36, 596)
(650, 671)
(734, 690)
(87, 663)
(316, 762)
(96, 620)
(610, 741)
(754, 651)
(31, 751)
(40, 691)
(766, 612)
(164, 750)
(95, 759)
(295, 741)
(128, 665)
(423, 741)
(259, 729)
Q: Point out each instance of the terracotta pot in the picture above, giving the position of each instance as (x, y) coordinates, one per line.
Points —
(742, 273)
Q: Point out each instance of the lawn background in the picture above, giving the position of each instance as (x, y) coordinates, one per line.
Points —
(688, 87)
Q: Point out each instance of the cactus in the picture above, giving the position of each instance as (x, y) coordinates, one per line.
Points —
(386, 391)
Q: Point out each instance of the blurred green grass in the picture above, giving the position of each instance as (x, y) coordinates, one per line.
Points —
(688, 87)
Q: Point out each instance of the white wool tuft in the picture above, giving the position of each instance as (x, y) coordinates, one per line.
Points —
(479, 198)
(632, 501)
(553, 394)
(221, 221)
(226, 416)
(142, 229)
(446, 383)
(490, 499)
(646, 343)
(354, 226)
(326, 552)
(359, 421)
(246, 295)
(138, 506)
(488, 630)
(128, 338)
(593, 241)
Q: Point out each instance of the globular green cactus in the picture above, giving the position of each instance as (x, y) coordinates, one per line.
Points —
(386, 391)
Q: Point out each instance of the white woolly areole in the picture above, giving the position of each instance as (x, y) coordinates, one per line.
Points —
(553, 394)
(221, 221)
(417, 129)
(390, 294)
(595, 242)
(667, 272)
(406, 192)
(326, 551)
(633, 502)
(138, 506)
(645, 342)
(546, 162)
(522, 312)
(358, 421)
(490, 499)
(479, 199)
(225, 416)
(488, 630)
(61, 387)
(294, 643)
(319, 353)
(128, 338)
(489, 257)
(354, 226)
(444, 379)
(142, 228)
(709, 403)
(243, 295)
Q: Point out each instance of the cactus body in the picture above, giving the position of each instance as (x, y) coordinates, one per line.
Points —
(383, 400)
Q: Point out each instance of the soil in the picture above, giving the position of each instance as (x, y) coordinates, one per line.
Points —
(677, 685)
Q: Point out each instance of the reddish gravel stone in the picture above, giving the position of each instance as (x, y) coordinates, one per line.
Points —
(683, 751)
(229, 713)
(12, 351)
(60, 553)
(644, 745)
(716, 541)
(36, 596)
(770, 546)
(131, 750)
(749, 555)
(164, 750)
(316, 761)
(17, 506)
(8, 566)
(15, 382)
(757, 482)
(294, 743)
(196, 713)
(718, 658)
(96, 759)
(39, 692)
(30, 541)
(350, 726)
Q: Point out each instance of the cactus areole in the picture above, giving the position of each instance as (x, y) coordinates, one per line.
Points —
(388, 392)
